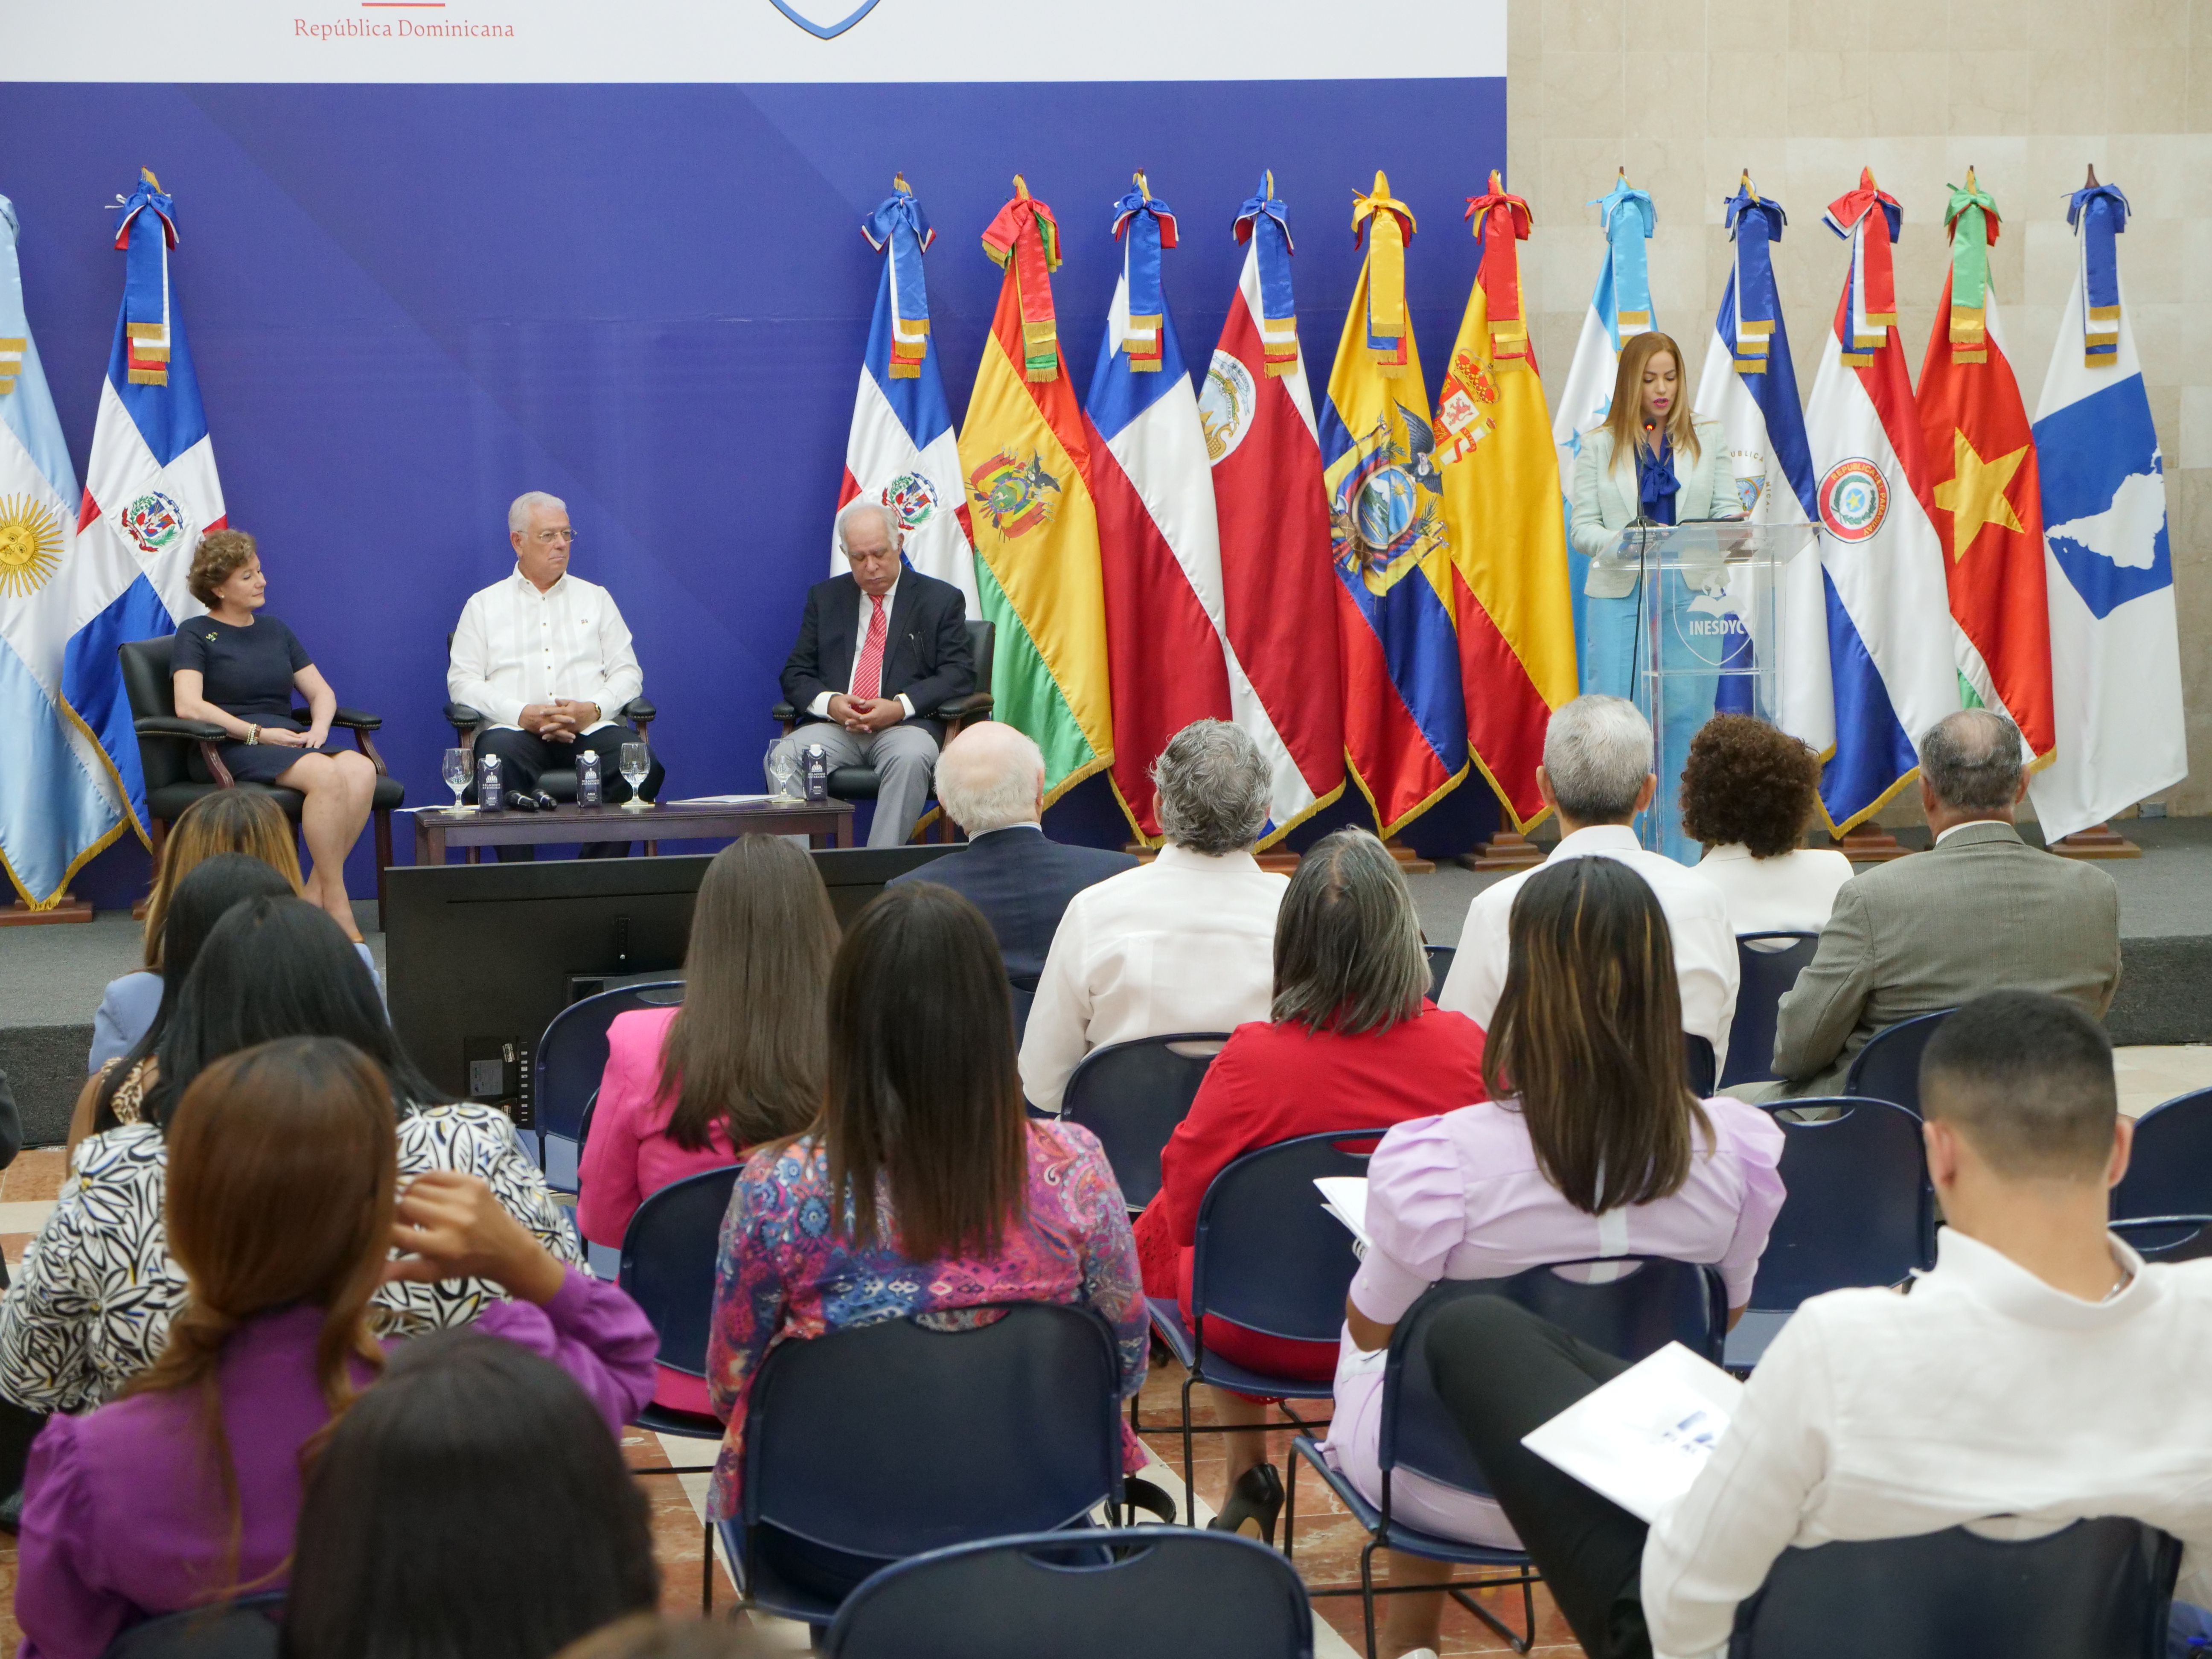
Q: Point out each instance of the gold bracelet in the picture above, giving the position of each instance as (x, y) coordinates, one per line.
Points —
(252, 734)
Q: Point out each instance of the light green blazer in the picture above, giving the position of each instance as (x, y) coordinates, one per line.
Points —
(1606, 502)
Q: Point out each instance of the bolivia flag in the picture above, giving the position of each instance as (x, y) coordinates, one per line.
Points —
(1501, 510)
(1988, 508)
(1027, 462)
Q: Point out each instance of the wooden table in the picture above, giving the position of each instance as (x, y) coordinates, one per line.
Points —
(828, 823)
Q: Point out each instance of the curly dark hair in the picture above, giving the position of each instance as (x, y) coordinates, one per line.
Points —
(1745, 782)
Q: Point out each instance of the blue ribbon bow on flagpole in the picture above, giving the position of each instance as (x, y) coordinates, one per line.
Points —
(1151, 225)
(899, 224)
(1754, 224)
(1264, 220)
(2100, 213)
(1629, 218)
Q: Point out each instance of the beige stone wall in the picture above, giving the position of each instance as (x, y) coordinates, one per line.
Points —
(1686, 94)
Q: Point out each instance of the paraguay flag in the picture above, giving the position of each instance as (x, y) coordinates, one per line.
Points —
(1404, 722)
(1889, 654)
(62, 804)
(149, 494)
(901, 450)
(2115, 650)
(1256, 410)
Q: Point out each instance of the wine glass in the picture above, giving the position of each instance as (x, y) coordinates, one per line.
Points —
(459, 775)
(781, 765)
(635, 763)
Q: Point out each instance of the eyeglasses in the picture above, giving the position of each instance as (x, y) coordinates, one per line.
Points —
(548, 537)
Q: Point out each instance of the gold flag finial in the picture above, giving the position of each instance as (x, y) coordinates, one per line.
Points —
(1021, 188)
(146, 173)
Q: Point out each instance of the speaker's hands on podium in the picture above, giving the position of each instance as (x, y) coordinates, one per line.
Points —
(449, 1226)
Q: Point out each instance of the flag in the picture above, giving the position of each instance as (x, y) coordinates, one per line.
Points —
(1025, 460)
(1981, 463)
(2115, 650)
(1619, 308)
(1404, 722)
(1280, 595)
(1890, 656)
(1750, 385)
(1508, 542)
(1158, 545)
(901, 450)
(61, 804)
(150, 493)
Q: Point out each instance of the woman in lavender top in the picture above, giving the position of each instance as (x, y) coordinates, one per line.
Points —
(1591, 1145)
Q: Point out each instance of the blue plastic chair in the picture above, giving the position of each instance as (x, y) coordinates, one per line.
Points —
(1440, 961)
(1267, 1257)
(2171, 1170)
(571, 1057)
(1136, 1590)
(1858, 1210)
(1763, 979)
(1888, 1067)
(243, 1629)
(2097, 1589)
(2167, 1237)
(1653, 1302)
(875, 1444)
(1132, 1095)
(1699, 1066)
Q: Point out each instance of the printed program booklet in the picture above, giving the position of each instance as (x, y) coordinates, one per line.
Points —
(1641, 1438)
(1345, 1197)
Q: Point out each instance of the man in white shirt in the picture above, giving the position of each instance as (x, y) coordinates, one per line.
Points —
(1186, 943)
(1597, 772)
(2041, 1374)
(545, 657)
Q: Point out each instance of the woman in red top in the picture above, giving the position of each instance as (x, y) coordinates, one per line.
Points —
(1353, 1043)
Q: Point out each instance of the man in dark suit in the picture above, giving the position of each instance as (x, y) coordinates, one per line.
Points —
(991, 783)
(878, 651)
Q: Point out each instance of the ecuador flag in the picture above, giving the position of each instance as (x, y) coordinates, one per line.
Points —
(1027, 465)
(1405, 724)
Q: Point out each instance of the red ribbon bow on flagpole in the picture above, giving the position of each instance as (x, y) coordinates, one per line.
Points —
(1501, 223)
(1025, 233)
(1878, 304)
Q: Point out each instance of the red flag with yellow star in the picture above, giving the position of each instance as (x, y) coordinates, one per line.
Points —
(1988, 505)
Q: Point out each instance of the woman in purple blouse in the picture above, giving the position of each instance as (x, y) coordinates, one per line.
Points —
(1591, 1145)
(283, 1211)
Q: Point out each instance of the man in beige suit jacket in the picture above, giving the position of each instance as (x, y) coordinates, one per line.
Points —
(1979, 911)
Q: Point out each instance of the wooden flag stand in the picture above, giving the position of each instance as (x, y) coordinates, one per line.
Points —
(71, 908)
(2099, 840)
(1872, 844)
(1409, 862)
(1508, 849)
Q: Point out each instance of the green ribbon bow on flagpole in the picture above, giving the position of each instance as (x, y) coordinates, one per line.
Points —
(1972, 216)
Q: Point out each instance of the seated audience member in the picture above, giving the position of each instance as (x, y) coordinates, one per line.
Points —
(282, 1178)
(1748, 792)
(1980, 910)
(546, 658)
(472, 1503)
(1183, 944)
(2042, 1373)
(697, 1086)
(923, 1180)
(1593, 1146)
(1597, 772)
(878, 651)
(990, 782)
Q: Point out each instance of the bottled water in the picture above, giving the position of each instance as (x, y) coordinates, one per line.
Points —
(587, 778)
(818, 773)
(491, 793)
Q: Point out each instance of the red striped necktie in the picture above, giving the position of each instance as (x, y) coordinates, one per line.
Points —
(868, 671)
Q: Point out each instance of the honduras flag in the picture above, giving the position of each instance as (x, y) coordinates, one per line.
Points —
(901, 450)
(151, 491)
(2115, 650)
(62, 804)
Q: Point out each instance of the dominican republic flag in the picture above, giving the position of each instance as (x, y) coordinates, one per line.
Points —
(62, 804)
(149, 494)
(901, 450)
(1159, 547)
(1889, 654)
(1750, 385)
(2115, 652)
(1619, 308)
(1257, 416)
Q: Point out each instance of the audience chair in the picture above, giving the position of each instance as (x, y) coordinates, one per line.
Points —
(1440, 961)
(1148, 1590)
(564, 1074)
(859, 782)
(1650, 1302)
(1858, 1210)
(1888, 1067)
(2170, 1172)
(872, 1445)
(1269, 1258)
(668, 1255)
(2167, 1237)
(245, 1629)
(1132, 1095)
(1763, 978)
(1698, 1057)
(2097, 1589)
(558, 781)
(180, 761)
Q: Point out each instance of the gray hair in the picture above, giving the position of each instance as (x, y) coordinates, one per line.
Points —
(1597, 752)
(1213, 788)
(518, 510)
(989, 777)
(1971, 760)
(1348, 952)
(853, 508)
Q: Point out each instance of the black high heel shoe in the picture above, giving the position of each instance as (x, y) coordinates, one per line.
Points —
(1258, 1496)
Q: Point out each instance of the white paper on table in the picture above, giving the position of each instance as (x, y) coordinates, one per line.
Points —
(1345, 1197)
(1641, 1438)
(727, 800)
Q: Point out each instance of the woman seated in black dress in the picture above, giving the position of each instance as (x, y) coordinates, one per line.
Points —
(241, 672)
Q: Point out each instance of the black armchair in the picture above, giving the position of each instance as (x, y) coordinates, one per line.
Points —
(859, 782)
(559, 782)
(180, 761)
